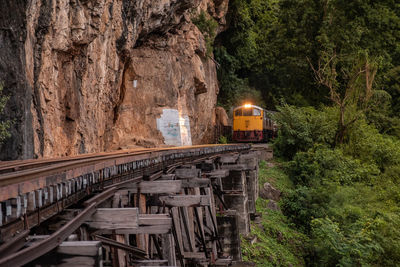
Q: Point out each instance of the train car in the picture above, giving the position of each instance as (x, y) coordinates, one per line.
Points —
(252, 124)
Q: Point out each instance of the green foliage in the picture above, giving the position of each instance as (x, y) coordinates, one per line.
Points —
(208, 27)
(275, 176)
(368, 145)
(322, 165)
(344, 159)
(222, 140)
(346, 198)
(4, 125)
(234, 91)
(333, 247)
(301, 128)
(278, 244)
(275, 42)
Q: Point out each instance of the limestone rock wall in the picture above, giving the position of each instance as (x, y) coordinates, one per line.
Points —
(93, 75)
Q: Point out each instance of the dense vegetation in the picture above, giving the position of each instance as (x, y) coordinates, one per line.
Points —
(271, 47)
(277, 242)
(347, 195)
(331, 69)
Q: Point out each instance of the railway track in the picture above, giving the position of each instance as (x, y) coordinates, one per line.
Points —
(35, 194)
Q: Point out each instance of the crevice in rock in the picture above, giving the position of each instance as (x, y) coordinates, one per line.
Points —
(122, 91)
(41, 30)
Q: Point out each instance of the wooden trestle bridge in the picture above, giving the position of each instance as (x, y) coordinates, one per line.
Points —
(146, 207)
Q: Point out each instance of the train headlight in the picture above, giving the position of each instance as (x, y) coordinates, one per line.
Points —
(247, 105)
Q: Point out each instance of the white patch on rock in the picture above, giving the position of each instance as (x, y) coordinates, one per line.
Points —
(175, 128)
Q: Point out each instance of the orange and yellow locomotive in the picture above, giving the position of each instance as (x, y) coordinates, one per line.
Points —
(252, 124)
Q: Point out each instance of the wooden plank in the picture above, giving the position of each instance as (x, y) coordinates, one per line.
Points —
(230, 159)
(178, 230)
(168, 177)
(153, 229)
(77, 261)
(156, 187)
(213, 217)
(118, 218)
(196, 182)
(191, 226)
(168, 249)
(187, 173)
(142, 240)
(186, 224)
(198, 211)
(218, 173)
(131, 249)
(236, 167)
(81, 248)
(121, 253)
(154, 219)
(185, 201)
(150, 262)
(194, 255)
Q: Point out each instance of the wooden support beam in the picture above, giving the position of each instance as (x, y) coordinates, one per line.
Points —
(168, 177)
(154, 219)
(155, 187)
(131, 249)
(72, 253)
(185, 221)
(153, 229)
(185, 201)
(236, 167)
(177, 229)
(196, 182)
(82, 248)
(150, 262)
(168, 249)
(199, 220)
(229, 159)
(157, 246)
(141, 239)
(113, 219)
(185, 173)
(146, 224)
(221, 173)
(194, 255)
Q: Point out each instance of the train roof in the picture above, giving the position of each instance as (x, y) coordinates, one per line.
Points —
(246, 106)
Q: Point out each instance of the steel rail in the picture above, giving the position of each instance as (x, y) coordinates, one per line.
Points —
(25, 175)
(13, 166)
(40, 248)
(22, 176)
(17, 165)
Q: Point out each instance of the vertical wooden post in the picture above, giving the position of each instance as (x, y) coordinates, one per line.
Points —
(119, 256)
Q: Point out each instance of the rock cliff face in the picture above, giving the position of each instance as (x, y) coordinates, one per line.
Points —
(93, 75)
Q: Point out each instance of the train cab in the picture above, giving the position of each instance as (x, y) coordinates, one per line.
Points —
(248, 123)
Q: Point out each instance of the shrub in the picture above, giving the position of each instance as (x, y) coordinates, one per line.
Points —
(301, 128)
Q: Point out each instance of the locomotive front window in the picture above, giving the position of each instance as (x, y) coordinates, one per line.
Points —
(248, 112)
(238, 112)
(256, 112)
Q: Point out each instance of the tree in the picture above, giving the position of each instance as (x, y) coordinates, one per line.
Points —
(351, 91)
